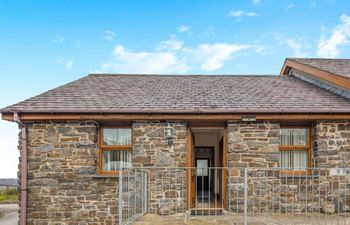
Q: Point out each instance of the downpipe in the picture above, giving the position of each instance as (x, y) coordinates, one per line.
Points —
(24, 168)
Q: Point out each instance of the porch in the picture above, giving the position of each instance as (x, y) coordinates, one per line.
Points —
(238, 219)
(163, 195)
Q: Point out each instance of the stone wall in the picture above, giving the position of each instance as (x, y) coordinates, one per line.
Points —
(271, 191)
(151, 149)
(253, 144)
(63, 186)
(331, 144)
(62, 166)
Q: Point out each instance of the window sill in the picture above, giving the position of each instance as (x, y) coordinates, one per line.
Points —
(298, 176)
(101, 176)
(104, 176)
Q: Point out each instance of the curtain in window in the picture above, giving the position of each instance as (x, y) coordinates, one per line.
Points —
(295, 136)
(114, 160)
(117, 136)
(293, 160)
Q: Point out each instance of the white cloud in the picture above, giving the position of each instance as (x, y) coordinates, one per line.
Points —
(59, 40)
(183, 28)
(296, 47)
(236, 13)
(144, 62)
(210, 31)
(172, 44)
(241, 13)
(256, 2)
(261, 49)
(251, 14)
(331, 47)
(211, 57)
(109, 35)
(68, 64)
(171, 56)
(300, 47)
(290, 6)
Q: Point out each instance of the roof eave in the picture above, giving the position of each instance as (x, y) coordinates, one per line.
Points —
(178, 111)
(335, 79)
(184, 116)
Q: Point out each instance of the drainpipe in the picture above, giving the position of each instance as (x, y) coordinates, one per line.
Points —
(24, 148)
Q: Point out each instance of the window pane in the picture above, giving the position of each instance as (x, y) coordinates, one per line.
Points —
(293, 160)
(114, 160)
(294, 136)
(116, 136)
(202, 165)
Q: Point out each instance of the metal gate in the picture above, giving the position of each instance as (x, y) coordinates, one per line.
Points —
(158, 195)
(133, 193)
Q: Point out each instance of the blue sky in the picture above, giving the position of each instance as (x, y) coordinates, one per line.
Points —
(44, 44)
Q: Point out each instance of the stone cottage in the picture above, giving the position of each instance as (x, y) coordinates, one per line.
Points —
(80, 141)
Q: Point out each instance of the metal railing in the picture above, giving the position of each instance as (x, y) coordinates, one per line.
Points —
(164, 195)
(133, 191)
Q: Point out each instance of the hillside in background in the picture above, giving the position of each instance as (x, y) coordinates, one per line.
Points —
(8, 182)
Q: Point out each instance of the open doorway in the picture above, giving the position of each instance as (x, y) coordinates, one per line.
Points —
(208, 147)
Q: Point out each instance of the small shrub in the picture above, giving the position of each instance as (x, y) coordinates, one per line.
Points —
(11, 191)
(9, 195)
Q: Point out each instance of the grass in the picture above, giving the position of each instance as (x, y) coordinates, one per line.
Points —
(5, 197)
(10, 195)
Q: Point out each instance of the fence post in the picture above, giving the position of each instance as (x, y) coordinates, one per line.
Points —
(245, 196)
(120, 196)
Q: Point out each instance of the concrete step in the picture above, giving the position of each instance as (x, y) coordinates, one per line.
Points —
(206, 211)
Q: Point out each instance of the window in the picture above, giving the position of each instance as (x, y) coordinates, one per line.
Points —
(295, 149)
(115, 149)
(202, 167)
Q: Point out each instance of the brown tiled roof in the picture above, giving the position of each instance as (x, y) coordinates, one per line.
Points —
(339, 67)
(184, 94)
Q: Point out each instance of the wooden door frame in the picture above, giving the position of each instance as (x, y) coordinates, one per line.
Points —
(224, 164)
(189, 164)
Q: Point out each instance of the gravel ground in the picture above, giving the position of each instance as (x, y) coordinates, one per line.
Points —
(234, 219)
(10, 214)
